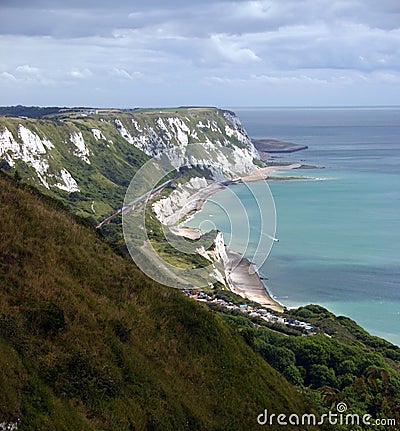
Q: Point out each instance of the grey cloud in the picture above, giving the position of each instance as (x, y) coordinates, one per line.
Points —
(60, 23)
(197, 18)
(124, 43)
(77, 19)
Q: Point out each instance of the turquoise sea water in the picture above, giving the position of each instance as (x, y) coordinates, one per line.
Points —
(339, 238)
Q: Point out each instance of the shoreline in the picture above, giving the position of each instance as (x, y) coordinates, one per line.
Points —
(261, 173)
(243, 279)
(195, 204)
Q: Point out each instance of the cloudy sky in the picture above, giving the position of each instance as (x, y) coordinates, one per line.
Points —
(199, 52)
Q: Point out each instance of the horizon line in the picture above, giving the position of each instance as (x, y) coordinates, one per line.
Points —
(206, 106)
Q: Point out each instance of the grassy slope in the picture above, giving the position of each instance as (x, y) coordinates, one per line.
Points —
(89, 343)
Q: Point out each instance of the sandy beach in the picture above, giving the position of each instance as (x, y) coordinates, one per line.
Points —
(186, 232)
(244, 281)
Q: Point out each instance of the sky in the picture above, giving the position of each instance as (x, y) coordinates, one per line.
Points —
(149, 53)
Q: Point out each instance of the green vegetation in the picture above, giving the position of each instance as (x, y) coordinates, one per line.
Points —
(87, 342)
(28, 111)
(161, 110)
(349, 365)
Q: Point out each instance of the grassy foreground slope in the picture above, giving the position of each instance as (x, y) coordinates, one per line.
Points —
(87, 342)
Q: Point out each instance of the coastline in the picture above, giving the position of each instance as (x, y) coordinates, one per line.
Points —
(195, 204)
(244, 280)
(261, 173)
(242, 277)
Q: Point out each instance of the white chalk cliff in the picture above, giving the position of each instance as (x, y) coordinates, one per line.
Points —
(29, 148)
(226, 148)
(56, 149)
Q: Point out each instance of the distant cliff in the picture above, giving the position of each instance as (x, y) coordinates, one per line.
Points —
(88, 157)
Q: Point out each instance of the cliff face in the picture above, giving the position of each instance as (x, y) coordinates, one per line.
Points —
(214, 130)
(168, 210)
(90, 159)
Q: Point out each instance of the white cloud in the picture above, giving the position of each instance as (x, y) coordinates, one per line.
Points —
(28, 70)
(229, 49)
(80, 74)
(298, 78)
(291, 80)
(384, 77)
(8, 77)
(123, 74)
(225, 81)
(251, 10)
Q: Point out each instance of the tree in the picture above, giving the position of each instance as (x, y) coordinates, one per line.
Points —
(321, 375)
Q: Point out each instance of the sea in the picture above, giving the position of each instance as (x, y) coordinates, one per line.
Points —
(338, 230)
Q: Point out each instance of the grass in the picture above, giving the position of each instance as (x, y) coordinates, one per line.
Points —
(87, 342)
(348, 365)
(161, 110)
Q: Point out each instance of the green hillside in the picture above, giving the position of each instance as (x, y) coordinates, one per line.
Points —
(87, 342)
